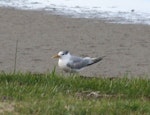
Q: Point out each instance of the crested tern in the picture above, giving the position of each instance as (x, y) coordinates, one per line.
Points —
(71, 63)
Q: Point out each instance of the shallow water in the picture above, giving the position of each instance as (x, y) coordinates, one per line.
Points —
(135, 11)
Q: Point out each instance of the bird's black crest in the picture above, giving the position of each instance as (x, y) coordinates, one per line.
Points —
(66, 52)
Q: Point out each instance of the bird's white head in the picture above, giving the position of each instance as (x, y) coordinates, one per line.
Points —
(62, 54)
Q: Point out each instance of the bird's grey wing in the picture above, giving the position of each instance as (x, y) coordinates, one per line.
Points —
(78, 63)
(95, 60)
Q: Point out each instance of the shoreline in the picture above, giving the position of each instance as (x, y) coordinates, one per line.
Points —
(42, 34)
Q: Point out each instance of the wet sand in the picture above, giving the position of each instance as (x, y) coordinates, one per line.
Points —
(41, 35)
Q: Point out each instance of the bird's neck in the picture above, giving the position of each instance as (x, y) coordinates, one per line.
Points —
(64, 59)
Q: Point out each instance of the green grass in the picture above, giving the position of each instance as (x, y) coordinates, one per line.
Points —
(52, 94)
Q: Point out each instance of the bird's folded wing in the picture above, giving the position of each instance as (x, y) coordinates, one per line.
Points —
(78, 64)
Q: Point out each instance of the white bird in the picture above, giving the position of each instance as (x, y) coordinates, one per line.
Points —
(70, 63)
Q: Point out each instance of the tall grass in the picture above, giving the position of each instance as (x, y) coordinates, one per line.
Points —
(16, 51)
(57, 94)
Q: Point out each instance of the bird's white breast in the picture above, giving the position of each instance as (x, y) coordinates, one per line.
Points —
(63, 64)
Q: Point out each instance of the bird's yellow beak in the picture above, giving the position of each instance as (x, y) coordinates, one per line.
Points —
(56, 56)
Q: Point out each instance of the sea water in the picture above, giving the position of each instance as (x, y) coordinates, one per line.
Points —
(118, 11)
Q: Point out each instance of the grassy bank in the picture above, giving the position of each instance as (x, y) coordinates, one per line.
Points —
(51, 94)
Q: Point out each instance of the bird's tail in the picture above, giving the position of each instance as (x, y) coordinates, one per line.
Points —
(95, 60)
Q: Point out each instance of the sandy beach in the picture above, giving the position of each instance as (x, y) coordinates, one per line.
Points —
(42, 34)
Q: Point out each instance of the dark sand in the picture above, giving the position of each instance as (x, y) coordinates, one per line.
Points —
(42, 35)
